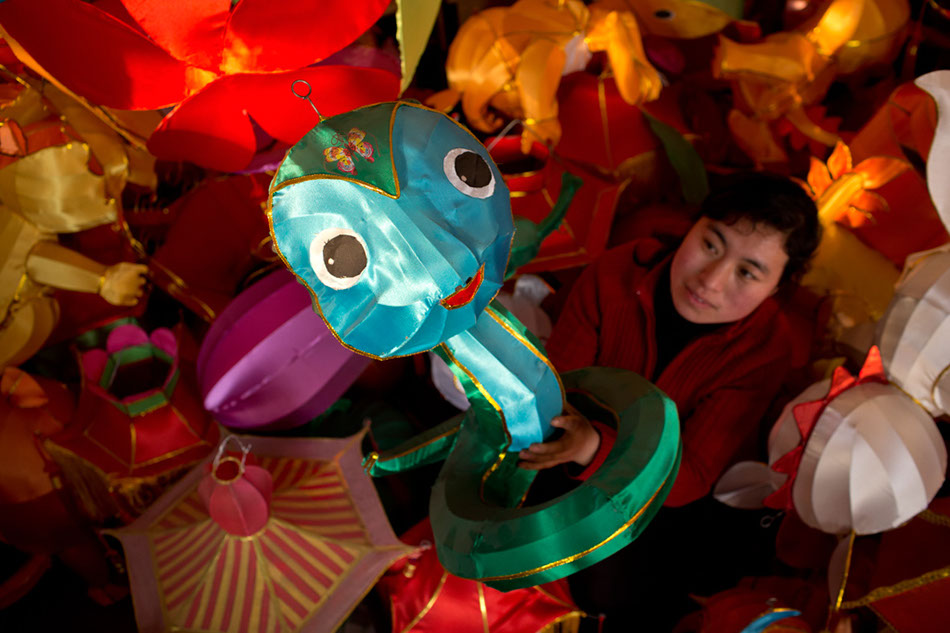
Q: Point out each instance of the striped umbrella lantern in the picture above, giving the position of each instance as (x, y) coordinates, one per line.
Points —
(287, 544)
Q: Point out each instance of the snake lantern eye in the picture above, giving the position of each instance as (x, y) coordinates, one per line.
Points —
(339, 257)
(469, 173)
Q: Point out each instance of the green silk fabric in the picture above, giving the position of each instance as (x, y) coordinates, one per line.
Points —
(307, 159)
(483, 534)
(429, 447)
(528, 235)
(149, 400)
(510, 548)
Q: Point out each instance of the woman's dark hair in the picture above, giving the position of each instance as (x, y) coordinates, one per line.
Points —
(775, 201)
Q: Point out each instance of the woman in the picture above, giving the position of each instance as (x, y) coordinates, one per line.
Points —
(700, 323)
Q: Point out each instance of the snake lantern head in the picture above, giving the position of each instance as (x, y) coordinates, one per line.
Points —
(398, 222)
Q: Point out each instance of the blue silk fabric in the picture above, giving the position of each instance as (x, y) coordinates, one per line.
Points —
(763, 622)
(424, 237)
(498, 357)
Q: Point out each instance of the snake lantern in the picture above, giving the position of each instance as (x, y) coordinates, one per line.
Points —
(397, 220)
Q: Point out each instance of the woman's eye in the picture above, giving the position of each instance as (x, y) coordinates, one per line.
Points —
(338, 257)
(709, 246)
(469, 173)
(747, 274)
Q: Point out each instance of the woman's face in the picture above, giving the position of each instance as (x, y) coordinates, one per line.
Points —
(722, 272)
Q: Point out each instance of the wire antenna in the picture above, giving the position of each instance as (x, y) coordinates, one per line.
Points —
(306, 95)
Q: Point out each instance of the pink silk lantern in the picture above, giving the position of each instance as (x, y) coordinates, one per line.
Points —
(269, 361)
(237, 493)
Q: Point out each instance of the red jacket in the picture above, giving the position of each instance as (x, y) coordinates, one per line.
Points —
(721, 382)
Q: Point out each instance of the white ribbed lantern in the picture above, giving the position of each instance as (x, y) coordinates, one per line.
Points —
(937, 84)
(914, 334)
(873, 460)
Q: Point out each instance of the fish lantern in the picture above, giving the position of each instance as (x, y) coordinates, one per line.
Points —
(511, 60)
(398, 222)
(877, 39)
(854, 454)
(914, 334)
(685, 19)
(781, 75)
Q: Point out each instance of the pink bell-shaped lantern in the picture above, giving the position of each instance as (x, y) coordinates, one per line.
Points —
(236, 491)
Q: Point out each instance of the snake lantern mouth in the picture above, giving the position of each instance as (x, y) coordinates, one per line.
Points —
(464, 293)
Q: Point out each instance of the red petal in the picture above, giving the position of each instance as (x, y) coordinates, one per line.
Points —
(209, 128)
(264, 35)
(781, 499)
(336, 89)
(873, 365)
(788, 463)
(806, 415)
(841, 380)
(116, 9)
(94, 54)
(191, 31)
(212, 128)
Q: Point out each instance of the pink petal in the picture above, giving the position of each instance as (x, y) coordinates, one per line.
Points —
(164, 339)
(264, 35)
(191, 31)
(95, 54)
(125, 336)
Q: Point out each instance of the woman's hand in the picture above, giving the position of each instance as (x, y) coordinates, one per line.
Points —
(578, 444)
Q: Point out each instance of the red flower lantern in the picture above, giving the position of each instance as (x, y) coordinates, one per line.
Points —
(225, 67)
